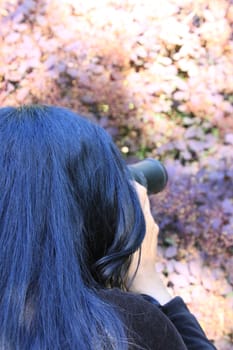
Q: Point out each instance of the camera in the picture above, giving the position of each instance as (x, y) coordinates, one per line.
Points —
(151, 174)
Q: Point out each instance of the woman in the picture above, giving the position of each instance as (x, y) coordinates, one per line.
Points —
(71, 225)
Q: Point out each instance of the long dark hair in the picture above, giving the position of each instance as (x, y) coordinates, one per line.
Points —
(70, 220)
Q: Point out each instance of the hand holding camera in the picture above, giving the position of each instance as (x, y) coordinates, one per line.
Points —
(143, 278)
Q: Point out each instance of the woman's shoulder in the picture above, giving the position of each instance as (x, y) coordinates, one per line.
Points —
(133, 303)
(146, 324)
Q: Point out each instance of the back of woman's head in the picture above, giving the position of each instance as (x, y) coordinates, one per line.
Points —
(69, 221)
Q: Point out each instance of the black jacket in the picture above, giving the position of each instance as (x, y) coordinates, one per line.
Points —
(151, 326)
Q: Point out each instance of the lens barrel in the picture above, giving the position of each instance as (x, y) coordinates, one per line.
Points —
(151, 174)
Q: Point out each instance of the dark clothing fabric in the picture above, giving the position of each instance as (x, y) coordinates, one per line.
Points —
(187, 325)
(151, 326)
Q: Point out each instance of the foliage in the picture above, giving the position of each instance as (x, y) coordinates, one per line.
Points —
(198, 205)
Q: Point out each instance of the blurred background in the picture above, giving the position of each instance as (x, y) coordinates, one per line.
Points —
(157, 75)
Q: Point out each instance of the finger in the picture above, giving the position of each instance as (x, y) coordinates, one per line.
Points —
(142, 194)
